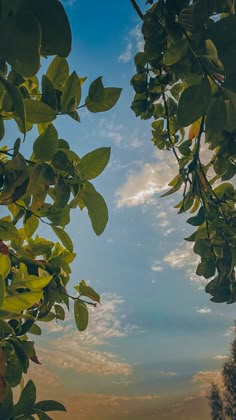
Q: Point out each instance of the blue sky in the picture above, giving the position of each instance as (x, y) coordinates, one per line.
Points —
(156, 341)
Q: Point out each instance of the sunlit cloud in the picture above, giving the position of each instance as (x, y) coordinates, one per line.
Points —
(83, 357)
(205, 378)
(184, 257)
(141, 185)
(203, 310)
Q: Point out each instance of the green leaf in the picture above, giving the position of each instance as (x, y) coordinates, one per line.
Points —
(88, 291)
(72, 89)
(60, 313)
(176, 51)
(7, 406)
(193, 103)
(62, 192)
(21, 301)
(81, 315)
(92, 164)
(59, 217)
(2, 129)
(216, 117)
(30, 225)
(198, 219)
(111, 97)
(17, 101)
(97, 208)
(38, 112)
(41, 415)
(224, 191)
(20, 39)
(50, 405)
(58, 72)
(101, 99)
(5, 329)
(8, 231)
(62, 162)
(64, 238)
(35, 330)
(27, 399)
(177, 185)
(231, 96)
(96, 90)
(12, 315)
(45, 145)
(5, 265)
(37, 282)
(47, 318)
(206, 268)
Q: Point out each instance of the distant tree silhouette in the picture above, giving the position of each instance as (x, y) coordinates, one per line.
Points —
(229, 377)
(224, 407)
(216, 403)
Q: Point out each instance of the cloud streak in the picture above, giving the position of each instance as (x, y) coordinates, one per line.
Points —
(83, 356)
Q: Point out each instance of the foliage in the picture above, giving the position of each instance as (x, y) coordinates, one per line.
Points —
(216, 403)
(35, 271)
(225, 408)
(185, 80)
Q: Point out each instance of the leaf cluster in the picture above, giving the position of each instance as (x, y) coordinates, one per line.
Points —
(43, 188)
(185, 80)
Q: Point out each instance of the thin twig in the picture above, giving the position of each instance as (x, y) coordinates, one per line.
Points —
(32, 213)
(4, 152)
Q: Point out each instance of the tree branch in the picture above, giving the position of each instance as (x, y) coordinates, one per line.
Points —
(137, 9)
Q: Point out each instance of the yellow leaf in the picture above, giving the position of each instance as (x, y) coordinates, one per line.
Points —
(194, 130)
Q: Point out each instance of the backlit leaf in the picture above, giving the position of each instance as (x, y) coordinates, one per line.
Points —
(92, 164)
(81, 315)
(38, 112)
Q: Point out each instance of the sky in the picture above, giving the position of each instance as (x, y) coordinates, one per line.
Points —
(156, 342)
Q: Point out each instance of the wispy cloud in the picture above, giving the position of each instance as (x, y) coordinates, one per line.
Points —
(184, 258)
(221, 357)
(230, 331)
(203, 310)
(168, 373)
(83, 356)
(111, 130)
(127, 54)
(134, 44)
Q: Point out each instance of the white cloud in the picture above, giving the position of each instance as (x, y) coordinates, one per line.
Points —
(142, 185)
(127, 54)
(204, 310)
(156, 266)
(184, 257)
(137, 36)
(134, 44)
